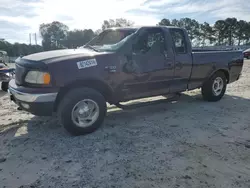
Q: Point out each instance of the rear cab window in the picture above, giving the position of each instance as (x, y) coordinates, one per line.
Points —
(179, 40)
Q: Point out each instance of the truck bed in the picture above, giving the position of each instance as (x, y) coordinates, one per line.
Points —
(206, 61)
(209, 50)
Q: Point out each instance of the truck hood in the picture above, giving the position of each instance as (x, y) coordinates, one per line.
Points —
(54, 55)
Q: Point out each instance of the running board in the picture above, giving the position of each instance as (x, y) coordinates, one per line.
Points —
(142, 104)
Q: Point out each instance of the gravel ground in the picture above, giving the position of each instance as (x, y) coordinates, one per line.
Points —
(184, 143)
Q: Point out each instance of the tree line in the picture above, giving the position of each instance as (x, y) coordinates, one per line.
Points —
(224, 32)
(18, 49)
(56, 35)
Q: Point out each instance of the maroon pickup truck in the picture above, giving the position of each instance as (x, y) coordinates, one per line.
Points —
(119, 65)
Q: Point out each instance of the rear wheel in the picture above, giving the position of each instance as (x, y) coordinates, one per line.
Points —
(215, 88)
(82, 111)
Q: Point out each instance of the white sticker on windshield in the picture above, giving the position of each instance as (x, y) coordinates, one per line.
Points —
(86, 63)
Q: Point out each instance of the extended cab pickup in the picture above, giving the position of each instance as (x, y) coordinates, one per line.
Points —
(118, 65)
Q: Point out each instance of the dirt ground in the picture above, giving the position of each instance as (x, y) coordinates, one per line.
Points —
(180, 144)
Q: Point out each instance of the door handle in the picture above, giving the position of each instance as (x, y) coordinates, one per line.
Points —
(169, 65)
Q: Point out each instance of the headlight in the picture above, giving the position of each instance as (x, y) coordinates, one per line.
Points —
(37, 77)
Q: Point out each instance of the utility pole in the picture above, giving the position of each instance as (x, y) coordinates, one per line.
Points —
(35, 39)
(31, 35)
(30, 38)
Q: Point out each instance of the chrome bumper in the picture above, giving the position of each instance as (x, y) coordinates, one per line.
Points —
(28, 97)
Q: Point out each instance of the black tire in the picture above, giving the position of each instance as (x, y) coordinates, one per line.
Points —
(70, 100)
(207, 88)
(5, 86)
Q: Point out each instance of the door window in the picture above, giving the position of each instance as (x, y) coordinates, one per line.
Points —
(148, 52)
(151, 41)
(179, 41)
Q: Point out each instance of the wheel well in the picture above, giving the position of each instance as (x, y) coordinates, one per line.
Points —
(103, 88)
(225, 72)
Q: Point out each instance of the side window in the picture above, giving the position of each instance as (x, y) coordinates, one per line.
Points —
(179, 41)
(152, 40)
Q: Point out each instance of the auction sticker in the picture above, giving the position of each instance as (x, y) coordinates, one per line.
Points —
(86, 63)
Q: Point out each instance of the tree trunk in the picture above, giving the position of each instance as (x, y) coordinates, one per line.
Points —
(203, 41)
(230, 38)
(239, 40)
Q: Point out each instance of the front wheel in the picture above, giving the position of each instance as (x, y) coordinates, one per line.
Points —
(82, 111)
(215, 88)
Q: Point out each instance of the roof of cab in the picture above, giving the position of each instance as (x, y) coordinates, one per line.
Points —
(138, 27)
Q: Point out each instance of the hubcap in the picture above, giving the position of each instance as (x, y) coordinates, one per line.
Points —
(85, 113)
(218, 86)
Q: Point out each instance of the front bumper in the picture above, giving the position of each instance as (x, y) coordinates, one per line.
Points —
(41, 104)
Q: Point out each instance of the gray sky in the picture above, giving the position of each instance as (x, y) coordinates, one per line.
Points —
(18, 18)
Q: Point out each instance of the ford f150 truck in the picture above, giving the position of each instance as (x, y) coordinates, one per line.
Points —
(118, 65)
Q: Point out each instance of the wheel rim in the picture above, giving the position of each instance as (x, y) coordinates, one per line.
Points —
(218, 86)
(85, 113)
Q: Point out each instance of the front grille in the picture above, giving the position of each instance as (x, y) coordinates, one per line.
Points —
(20, 74)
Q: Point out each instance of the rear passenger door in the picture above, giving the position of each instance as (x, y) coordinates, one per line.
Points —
(183, 60)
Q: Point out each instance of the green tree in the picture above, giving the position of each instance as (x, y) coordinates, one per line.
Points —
(5, 46)
(220, 31)
(176, 23)
(78, 38)
(164, 22)
(18, 49)
(240, 31)
(192, 27)
(231, 24)
(246, 34)
(206, 33)
(53, 35)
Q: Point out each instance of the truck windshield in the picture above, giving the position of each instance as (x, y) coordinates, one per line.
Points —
(110, 40)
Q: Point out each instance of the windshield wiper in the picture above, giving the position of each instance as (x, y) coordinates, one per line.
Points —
(90, 47)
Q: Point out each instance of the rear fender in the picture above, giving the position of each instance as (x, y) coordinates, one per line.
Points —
(225, 71)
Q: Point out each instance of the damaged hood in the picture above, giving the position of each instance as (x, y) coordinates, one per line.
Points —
(55, 55)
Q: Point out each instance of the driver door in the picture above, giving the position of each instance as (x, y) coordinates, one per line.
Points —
(150, 68)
